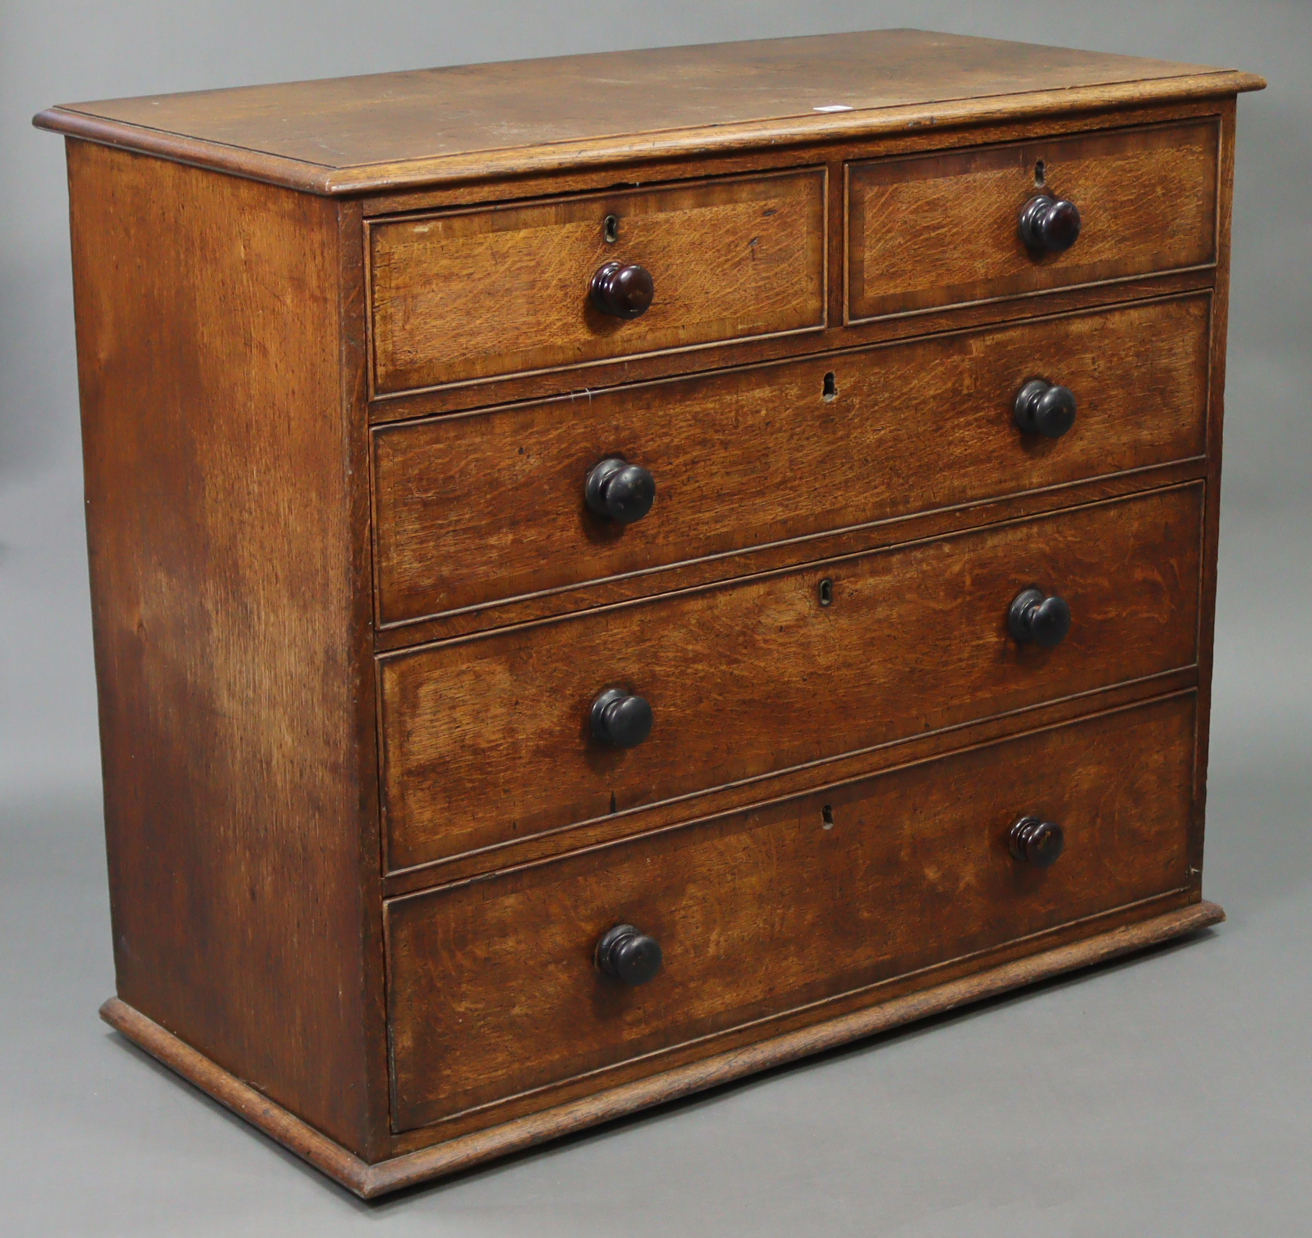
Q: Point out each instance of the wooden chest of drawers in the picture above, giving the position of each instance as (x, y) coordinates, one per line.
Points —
(613, 572)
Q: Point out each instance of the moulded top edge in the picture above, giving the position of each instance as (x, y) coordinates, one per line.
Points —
(393, 131)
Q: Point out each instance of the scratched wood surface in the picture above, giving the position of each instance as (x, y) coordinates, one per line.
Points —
(764, 454)
(473, 294)
(389, 130)
(227, 563)
(429, 1154)
(838, 332)
(766, 911)
(235, 342)
(937, 229)
(487, 740)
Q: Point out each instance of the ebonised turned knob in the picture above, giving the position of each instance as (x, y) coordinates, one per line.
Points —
(1043, 620)
(623, 291)
(1049, 225)
(1037, 842)
(619, 491)
(1043, 408)
(620, 718)
(628, 955)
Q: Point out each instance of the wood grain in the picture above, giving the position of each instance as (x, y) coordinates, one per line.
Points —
(815, 829)
(226, 573)
(467, 295)
(486, 740)
(450, 1156)
(759, 456)
(589, 380)
(550, 180)
(354, 134)
(940, 990)
(866, 763)
(936, 230)
(541, 183)
(764, 912)
(591, 595)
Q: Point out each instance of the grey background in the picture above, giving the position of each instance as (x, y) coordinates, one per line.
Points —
(1168, 1096)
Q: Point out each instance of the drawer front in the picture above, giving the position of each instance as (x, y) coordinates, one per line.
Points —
(942, 229)
(477, 294)
(481, 507)
(487, 740)
(493, 989)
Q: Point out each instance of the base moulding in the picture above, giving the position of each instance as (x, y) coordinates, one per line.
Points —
(369, 1181)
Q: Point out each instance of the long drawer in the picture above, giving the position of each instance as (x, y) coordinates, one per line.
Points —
(493, 990)
(487, 740)
(476, 508)
(934, 230)
(473, 294)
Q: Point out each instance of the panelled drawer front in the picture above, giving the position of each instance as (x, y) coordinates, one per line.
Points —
(487, 740)
(475, 294)
(493, 991)
(766, 453)
(935, 230)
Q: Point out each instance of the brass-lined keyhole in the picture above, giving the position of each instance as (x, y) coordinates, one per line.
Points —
(826, 592)
(1040, 173)
(830, 390)
(611, 229)
(827, 817)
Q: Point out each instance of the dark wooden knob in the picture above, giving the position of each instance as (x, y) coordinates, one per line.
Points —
(621, 719)
(1049, 225)
(628, 955)
(1043, 620)
(1037, 842)
(623, 291)
(620, 491)
(1042, 408)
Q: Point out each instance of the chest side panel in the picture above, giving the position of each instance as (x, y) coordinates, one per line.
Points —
(226, 555)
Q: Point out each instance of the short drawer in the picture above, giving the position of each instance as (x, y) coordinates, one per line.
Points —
(487, 740)
(800, 903)
(481, 507)
(475, 294)
(934, 230)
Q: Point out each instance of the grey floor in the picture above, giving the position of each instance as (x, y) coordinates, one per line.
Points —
(1167, 1095)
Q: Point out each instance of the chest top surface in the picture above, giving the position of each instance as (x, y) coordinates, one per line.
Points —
(396, 130)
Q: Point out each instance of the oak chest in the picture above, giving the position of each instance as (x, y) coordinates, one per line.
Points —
(613, 572)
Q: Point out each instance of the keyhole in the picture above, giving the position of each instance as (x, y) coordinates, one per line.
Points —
(831, 387)
(1040, 173)
(827, 817)
(826, 591)
(611, 230)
